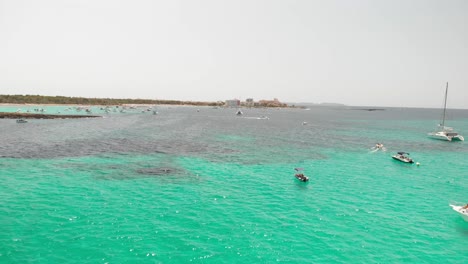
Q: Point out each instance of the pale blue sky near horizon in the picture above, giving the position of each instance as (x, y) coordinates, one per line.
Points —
(363, 52)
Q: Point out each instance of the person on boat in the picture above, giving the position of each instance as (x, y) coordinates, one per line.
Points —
(465, 207)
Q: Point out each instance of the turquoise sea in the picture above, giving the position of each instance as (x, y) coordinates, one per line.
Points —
(201, 185)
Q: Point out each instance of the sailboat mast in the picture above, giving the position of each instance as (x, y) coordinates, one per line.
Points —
(445, 105)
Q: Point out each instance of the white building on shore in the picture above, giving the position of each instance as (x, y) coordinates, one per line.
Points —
(249, 102)
(232, 103)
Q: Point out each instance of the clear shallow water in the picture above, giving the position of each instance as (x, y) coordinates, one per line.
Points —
(209, 187)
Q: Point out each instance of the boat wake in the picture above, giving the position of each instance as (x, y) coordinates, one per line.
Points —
(377, 147)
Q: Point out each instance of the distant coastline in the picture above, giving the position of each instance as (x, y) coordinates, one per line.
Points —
(4, 115)
(63, 100)
(22, 101)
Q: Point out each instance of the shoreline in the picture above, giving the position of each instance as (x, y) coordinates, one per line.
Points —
(28, 104)
(93, 105)
(5, 115)
(139, 105)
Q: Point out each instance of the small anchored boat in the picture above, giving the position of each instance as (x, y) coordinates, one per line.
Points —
(300, 176)
(403, 157)
(21, 121)
(462, 210)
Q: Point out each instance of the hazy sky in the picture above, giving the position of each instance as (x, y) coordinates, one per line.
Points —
(385, 53)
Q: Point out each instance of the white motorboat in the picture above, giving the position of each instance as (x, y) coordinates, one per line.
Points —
(462, 210)
(403, 157)
(442, 132)
(21, 121)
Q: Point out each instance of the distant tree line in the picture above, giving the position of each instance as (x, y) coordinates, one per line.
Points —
(39, 99)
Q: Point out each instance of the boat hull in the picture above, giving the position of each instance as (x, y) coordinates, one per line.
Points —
(396, 157)
(302, 177)
(459, 209)
(445, 136)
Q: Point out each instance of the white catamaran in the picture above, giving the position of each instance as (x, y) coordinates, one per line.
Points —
(442, 132)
